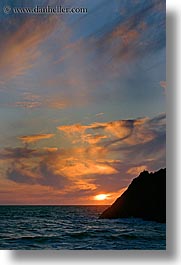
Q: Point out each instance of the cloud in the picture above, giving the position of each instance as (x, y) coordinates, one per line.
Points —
(117, 129)
(129, 132)
(76, 167)
(19, 176)
(129, 141)
(135, 171)
(137, 32)
(41, 176)
(51, 149)
(20, 45)
(17, 153)
(104, 160)
(43, 103)
(163, 84)
(50, 178)
(34, 138)
(72, 63)
(73, 129)
(100, 114)
(25, 104)
(92, 139)
(71, 168)
(32, 100)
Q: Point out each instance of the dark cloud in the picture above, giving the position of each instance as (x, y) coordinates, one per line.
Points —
(18, 176)
(159, 119)
(49, 178)
(145, 131)
(42, 175)
(17, 153)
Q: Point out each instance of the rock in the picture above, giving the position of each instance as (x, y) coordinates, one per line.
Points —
(145, 198)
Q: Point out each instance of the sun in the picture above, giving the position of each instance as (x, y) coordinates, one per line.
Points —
(100, 197)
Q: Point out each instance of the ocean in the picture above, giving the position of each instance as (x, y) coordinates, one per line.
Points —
(75, 228)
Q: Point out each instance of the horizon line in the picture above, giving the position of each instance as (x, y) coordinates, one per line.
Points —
(55, 205)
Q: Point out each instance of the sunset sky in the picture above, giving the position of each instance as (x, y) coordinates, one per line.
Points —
(82, 100)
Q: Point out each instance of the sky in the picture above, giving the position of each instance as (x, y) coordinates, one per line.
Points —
(82, 100)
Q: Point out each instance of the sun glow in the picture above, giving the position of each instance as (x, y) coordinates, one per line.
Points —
(101, 197)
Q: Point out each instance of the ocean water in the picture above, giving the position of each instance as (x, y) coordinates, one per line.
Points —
(75, 227)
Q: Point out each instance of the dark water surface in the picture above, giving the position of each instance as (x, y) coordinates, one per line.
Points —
(75, 227)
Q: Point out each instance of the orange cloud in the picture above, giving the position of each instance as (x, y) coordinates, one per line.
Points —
(31, 100)
(118, 129)
(34, 138)
(129, 132)
(73, 167)
(92, 139)
(100, 141)
(72, 129)
(128, 36)
(97, 167)
(77, 133)
(20, 49)
(80, 163)
(51, 149)
(136, 170)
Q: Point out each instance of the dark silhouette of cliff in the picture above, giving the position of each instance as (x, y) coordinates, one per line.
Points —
(145, 198)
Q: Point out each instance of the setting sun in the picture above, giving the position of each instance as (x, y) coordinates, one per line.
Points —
(100, 197)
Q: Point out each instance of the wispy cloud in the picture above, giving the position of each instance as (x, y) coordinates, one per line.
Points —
(137, 32)
(34, 138)
(20, 47)
(135, 171)
(66, 68)
(34, 101)
(129, 132)
(91, 167)
(100, 114)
